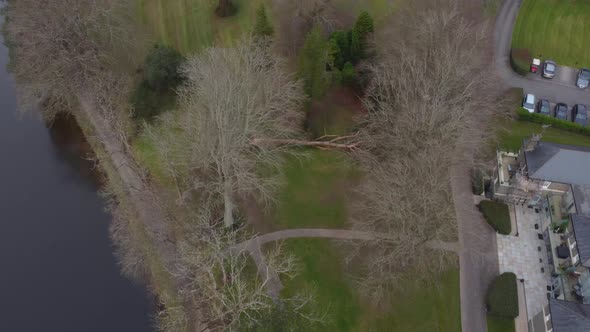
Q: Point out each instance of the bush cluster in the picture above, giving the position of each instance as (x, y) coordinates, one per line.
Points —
(520, 60)
(348, 47)
(525, 115)
(160, 76)
(497, 215)
(502, 296)
(322, 62)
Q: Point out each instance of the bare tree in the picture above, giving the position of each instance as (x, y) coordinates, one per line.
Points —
(297, 18)
(230, 97)
(429, 93)
(223, 277)
(61, 47)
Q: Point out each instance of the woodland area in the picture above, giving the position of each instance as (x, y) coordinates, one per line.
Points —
(200, 145)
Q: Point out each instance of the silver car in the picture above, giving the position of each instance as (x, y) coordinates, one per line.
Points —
(549, 69)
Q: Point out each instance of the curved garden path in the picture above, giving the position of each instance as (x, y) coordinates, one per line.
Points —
(254, 247)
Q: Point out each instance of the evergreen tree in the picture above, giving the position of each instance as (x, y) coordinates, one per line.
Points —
(341, 47)
(161, 68)
(358, 40)
(262, 28)
(364, 24)
(356, 46)
(312, 64)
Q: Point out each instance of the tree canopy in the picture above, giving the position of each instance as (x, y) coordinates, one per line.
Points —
(263, 27)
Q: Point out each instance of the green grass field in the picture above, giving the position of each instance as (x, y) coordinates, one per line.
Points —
(417, 308)
(515, 131)
(555, 29)
(315, 192)
(191, 25)
(497, 324)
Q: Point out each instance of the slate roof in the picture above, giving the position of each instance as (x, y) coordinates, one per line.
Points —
(559, 163)
(569, 316)
(581, 227)
(582, 198)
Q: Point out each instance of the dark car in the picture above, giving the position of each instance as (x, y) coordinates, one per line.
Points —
(549, 68)
(561, 111)
(579, 114)
(543, 107)
(583, 78)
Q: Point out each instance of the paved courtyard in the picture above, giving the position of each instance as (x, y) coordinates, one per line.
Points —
(526, 255)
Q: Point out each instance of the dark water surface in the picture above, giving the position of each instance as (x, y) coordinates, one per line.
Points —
(57, 269)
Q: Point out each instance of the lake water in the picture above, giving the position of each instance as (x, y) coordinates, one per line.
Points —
(57, 268)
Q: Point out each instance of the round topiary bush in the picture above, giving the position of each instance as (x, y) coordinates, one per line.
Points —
(502, 296)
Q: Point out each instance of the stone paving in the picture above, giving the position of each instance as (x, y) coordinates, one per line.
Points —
(526, 255)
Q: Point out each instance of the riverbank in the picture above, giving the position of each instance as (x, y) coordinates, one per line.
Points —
(58, 269)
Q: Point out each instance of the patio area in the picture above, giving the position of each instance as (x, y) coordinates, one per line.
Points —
(526, 256)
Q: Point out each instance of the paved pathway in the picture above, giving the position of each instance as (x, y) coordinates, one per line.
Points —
(478, 257)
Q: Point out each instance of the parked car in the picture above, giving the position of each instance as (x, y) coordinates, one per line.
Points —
(561, 111)
(528, 102)
(543, 107)
(583, 78)
(549, 68)
(580, 114)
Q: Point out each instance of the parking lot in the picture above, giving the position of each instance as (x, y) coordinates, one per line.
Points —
(564, 77)
(552, 108)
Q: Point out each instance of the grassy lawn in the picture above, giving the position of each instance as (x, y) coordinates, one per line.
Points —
(191, 25)
(516, 131)
(498, 324)
(555, 29)
(497, 215)
(315, 193)
(417, 308)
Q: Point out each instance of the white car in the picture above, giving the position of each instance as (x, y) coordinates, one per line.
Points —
(528, 103)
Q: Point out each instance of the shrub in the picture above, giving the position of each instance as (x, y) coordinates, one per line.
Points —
(161, 68)
(477, 181)
(148, 102)
(225, 8)
(502, 296)
(161, 75)
(520, 60)
(497, 215)
(525, 115)
(262, 27)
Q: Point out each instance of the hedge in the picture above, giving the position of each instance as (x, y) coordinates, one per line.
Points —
(502, 296)
(497, 215)
(525, 115)
(477, 181)
(520, 60)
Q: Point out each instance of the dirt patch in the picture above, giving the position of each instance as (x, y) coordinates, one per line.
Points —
(336, 113)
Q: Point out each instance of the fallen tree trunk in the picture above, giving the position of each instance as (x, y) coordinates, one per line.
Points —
(298, 142)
